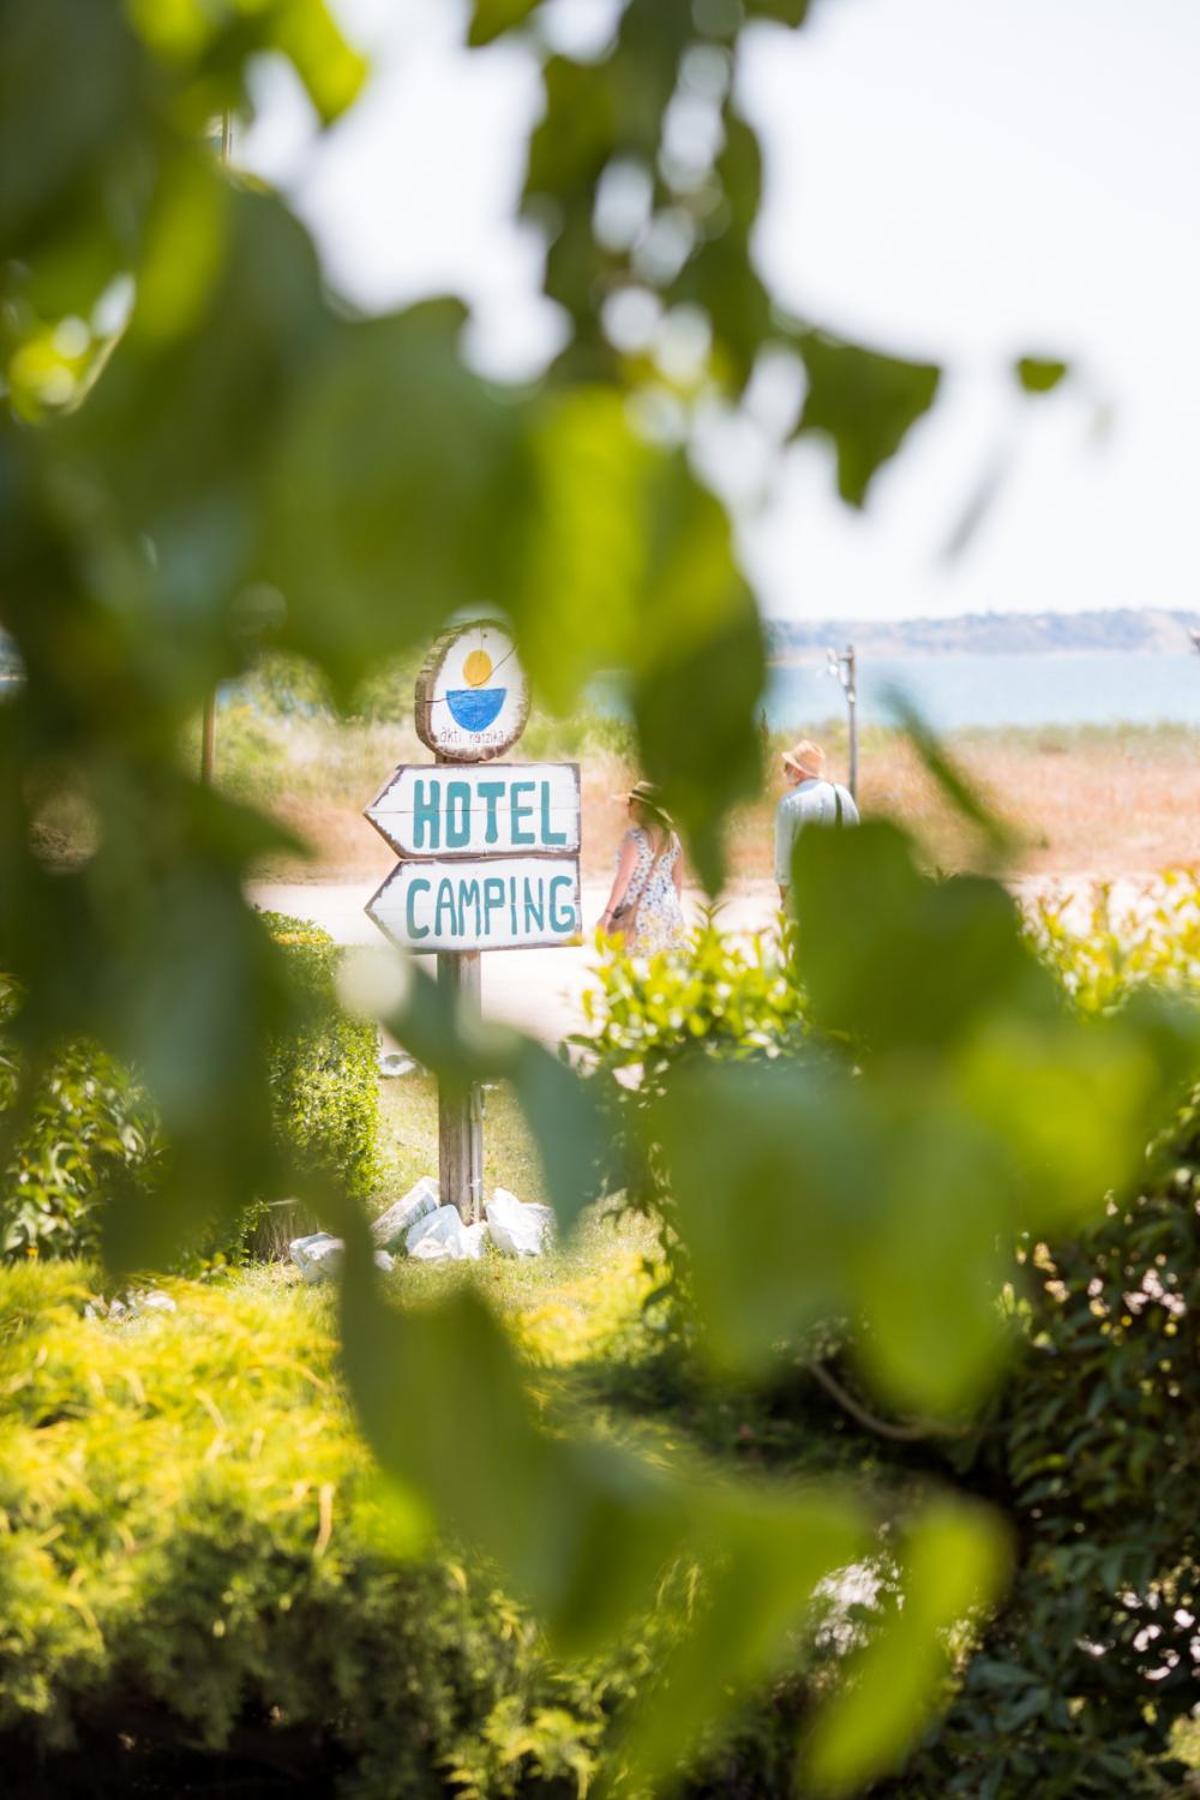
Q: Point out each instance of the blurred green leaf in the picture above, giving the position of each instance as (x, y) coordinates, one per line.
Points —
(776, 1172)
(159, 472)
(764, 1555)
(491, 18)
(564, 1110)
(932, 1264)
(999, 837)
(720, 275)
(395, 488)
(896, 959)
(581, 1527)
(785, 12)
(953, 1562)
(332, 72)
(206, 46)
(1076, 1103)
(1040, 374)
(65, 112)
(696, 711)
(864, 402)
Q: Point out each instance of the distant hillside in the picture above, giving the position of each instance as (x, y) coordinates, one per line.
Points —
(1141, 629)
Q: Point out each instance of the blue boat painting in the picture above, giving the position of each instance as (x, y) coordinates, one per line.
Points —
(476, 706)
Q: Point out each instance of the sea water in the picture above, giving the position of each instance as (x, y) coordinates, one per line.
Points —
(1086, 687)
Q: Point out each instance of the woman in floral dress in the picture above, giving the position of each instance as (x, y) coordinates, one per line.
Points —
(644, 905)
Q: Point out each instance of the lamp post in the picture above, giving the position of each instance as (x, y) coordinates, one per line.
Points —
(843, 665)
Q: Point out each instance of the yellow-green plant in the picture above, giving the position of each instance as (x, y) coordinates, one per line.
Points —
(205, 456)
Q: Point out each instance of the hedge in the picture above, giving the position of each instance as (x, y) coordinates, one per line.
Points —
(194, 1584)
(91, 1120)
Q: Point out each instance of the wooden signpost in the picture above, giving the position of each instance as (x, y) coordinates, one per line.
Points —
(489, 855)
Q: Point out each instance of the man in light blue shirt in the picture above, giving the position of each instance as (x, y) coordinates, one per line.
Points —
(810, 800)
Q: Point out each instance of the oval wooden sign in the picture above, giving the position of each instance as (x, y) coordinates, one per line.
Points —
(472, 695)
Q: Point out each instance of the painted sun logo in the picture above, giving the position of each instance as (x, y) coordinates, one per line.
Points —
(476, 706)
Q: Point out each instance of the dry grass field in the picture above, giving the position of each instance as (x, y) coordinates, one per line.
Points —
(1100, 802)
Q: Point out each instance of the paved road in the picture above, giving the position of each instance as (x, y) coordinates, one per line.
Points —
(539, 990)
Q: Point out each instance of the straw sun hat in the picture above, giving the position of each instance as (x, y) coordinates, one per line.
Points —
(806, 758)
(647, 794)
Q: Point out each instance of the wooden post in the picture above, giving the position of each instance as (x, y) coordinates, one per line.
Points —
(208, 740)
(851, 659)
(460, 1115)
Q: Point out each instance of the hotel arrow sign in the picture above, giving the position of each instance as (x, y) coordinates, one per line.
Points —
(469, 810)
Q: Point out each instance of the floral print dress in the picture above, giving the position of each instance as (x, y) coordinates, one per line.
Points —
(658, 922)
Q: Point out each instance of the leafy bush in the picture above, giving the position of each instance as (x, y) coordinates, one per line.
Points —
(1081, 1682)
(324, 1081)
(1102, 948)
(92, 1125)
(715, 996)
(719, 995)
(193, 1572)
(1082, 1678)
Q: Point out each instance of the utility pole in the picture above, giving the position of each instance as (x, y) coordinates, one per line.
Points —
(844, 665)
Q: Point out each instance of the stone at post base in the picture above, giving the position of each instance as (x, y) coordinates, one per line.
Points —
(391, 1228)
(443, 1237)
(319, 1256)
(519, 1227)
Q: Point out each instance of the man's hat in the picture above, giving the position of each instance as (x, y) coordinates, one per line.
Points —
(806, 758)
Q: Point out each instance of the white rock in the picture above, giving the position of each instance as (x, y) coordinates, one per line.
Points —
(519, 1227)
(392, 1226)
(442, 1237)
(318, 1256)
(144, 1300)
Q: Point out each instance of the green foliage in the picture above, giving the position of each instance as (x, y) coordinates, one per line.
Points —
(194, 1554)
(243, 467)
(865, 403)
(92, 1127)
(1040, 374)
(1103, 948)
(89, 1127)
(722, 996)
(323, 1078)
(1079, 1682)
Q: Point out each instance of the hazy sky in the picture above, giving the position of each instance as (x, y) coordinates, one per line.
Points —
(964, 179)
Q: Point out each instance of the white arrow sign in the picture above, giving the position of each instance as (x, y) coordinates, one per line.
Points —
(495, 903)
(493, 809)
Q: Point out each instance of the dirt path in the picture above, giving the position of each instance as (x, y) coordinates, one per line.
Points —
(539, 990)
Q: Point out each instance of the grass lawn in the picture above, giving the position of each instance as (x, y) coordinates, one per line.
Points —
(584, 1300)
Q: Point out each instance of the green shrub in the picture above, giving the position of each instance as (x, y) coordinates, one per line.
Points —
(717, 994)
(1084, 1681)
(91, 1123)
(191, 1561)
(1093, 1449)
(324, 1082)
(1102, 948)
